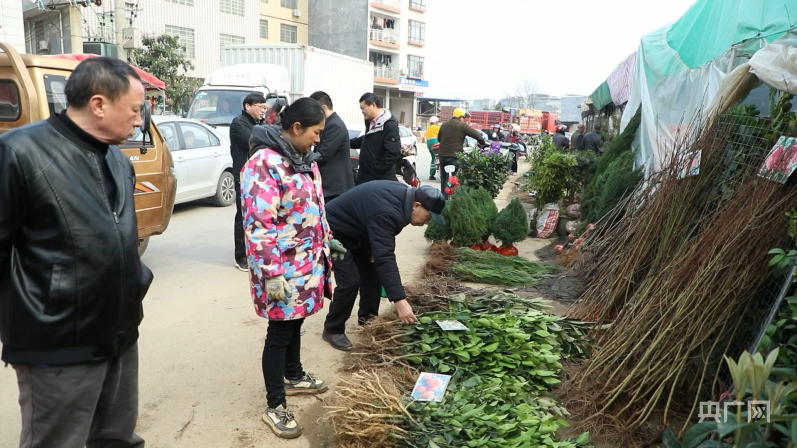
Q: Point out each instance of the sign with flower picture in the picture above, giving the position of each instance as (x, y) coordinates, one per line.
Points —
(781, 161)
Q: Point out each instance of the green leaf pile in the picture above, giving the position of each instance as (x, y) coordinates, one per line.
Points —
(503, 368)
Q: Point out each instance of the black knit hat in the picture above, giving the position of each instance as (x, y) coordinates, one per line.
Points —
(432, 199)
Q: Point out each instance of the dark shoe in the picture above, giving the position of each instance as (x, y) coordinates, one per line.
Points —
(337, 341)
(282, 422)
(242, 265)
(308, 384)
(431, 177)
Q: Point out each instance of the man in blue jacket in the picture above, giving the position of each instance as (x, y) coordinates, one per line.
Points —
(366, 220)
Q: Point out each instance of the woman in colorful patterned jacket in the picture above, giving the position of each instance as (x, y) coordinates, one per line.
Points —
(288, 250)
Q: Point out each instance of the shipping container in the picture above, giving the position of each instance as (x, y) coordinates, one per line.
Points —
(310, 69)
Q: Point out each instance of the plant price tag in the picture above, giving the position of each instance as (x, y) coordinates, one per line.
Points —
(451, 325)
(430, 387)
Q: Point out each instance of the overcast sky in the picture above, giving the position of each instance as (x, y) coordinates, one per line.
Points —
(484, 48)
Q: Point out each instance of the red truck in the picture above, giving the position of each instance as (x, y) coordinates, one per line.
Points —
(550, 121)
(485, 119)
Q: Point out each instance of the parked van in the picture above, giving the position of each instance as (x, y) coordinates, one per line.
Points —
(32, 88)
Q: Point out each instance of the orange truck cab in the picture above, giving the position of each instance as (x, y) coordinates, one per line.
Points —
(32, 88)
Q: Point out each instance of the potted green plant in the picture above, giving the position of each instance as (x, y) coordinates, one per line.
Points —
(510, 226)
(468, 224)
(486, 205)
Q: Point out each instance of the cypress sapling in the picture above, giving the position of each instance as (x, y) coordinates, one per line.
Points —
(435, 232)
(468, 225)
(511, 225)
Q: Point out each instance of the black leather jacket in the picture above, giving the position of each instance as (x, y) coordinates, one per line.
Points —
(71, 281)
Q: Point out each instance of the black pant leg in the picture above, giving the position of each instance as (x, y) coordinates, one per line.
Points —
(238, 230)
(293, 359)
(370, 288)
(328, 199)
(347, 284)
(278, 340)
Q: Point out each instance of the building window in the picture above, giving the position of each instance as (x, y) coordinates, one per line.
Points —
(415, 66)
(185, 36)
(182, 2)
(263, 29)
(105, 27)
(229, 39)
(418, 4)
(288, 4)
(417, 32)
(287, 33)
(234, 7)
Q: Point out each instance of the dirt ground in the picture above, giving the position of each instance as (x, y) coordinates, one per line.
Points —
(201, 341)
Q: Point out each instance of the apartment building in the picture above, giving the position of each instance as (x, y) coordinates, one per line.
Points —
(202, 26)
(389, 33)
(283, 21)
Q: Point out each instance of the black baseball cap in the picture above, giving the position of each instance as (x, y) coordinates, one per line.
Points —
(432, 199)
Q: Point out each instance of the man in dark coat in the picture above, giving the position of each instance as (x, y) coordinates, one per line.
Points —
(594, 140)
(366, 220)
(334, 159)
(577, 139)
(71, 280)
(380, 147)
(560, 140)
(240, 132)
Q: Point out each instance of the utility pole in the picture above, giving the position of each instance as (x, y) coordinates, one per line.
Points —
(75, 29)
(120, 20)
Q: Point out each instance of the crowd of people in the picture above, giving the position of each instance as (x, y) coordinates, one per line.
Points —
(73, 283)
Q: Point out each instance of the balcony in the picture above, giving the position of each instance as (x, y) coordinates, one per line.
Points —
(386, 75)
(392, 6)
(385, 38)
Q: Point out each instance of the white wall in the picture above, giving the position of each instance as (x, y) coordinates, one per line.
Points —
(204, 18)
(12, 29)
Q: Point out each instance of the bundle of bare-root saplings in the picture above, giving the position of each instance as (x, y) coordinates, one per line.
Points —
(677, 279)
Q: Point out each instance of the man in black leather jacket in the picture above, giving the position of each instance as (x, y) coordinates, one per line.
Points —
(240, 132)
(71, 281)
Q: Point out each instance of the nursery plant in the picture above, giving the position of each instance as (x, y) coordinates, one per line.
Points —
(510, 226)
(488, 209)
(467, 223)
(435, 232)
(552, 177)
(488, 171)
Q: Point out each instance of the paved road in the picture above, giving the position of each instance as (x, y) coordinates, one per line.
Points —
(201, 341)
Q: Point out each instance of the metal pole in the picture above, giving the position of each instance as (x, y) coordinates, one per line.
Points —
(120, 20)
(75, 30)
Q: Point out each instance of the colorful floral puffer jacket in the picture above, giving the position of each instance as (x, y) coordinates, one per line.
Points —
(285, 226)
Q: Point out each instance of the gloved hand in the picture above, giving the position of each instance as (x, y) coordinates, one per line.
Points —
(337, 249)
(278, 288)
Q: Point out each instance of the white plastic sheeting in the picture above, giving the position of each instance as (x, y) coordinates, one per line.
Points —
(672, 94)
(776, 64)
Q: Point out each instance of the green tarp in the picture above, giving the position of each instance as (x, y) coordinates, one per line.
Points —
(710, 27)
(681, 66)
(601, 96)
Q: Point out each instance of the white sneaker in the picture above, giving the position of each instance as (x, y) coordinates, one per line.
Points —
(282, 422)
(308, 384)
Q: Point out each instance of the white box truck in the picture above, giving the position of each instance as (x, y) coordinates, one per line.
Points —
(292, 71)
